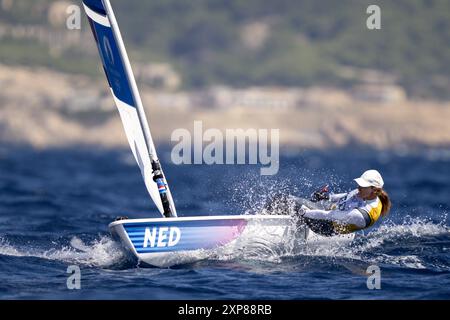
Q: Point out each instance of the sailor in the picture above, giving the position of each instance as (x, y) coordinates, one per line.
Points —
(349, 212)
(330, 214)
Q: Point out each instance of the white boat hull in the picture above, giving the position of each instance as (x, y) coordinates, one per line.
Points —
(165, 242)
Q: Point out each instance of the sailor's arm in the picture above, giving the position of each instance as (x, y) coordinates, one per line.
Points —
(325, 194)
(335, 197)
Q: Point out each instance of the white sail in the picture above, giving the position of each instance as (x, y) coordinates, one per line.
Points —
(135, 136)
(126, 96)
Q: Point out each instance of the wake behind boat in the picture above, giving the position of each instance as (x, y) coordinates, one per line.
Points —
(170, 240)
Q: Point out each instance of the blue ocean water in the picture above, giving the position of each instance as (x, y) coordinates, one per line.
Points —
(56, 204)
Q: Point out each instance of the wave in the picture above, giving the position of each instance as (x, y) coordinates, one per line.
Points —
(408, 228)
(103, 252)
(407, 244)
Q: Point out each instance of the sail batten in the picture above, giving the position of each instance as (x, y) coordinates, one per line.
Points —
(128, 101)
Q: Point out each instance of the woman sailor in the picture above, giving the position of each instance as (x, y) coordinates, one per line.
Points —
(331, 214)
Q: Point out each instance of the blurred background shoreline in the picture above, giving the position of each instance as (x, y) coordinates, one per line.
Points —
(312, 70)
(59, 109)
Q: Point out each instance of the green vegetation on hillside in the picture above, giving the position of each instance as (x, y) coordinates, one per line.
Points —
(303, 42)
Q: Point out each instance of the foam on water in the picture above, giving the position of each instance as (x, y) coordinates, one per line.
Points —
(7, 249)
(379, 246)
(102, 252)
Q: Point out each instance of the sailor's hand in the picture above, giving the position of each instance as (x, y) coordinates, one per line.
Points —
(301, 212)
(321, 194)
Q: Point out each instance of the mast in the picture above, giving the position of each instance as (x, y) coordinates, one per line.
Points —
(158, 175)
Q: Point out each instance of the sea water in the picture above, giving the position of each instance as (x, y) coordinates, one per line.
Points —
(56, 204)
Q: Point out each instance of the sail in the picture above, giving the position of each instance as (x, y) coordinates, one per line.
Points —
(127, 99)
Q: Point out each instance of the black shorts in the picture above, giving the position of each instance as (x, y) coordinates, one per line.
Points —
(322, 227)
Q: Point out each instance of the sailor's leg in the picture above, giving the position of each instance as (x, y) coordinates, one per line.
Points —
(322, 227)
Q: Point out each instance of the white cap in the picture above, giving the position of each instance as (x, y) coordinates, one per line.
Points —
(370, 178)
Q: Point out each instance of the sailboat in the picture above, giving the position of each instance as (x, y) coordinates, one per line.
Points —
(172, 240)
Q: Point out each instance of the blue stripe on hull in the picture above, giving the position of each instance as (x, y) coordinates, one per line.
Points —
(183, 235)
